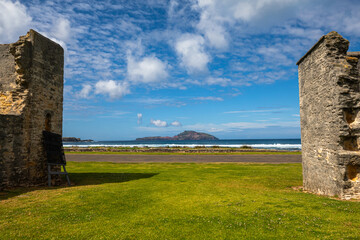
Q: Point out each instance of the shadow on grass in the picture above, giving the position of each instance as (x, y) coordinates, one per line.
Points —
(100, 178)
(81, 179)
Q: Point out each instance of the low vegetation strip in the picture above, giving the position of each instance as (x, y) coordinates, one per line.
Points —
(187, 153)
(177, 201)
(173, 151)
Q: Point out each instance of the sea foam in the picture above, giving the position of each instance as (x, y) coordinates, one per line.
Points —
(256, 146)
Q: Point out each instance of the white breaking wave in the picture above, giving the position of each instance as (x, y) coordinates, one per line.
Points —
(262, 146)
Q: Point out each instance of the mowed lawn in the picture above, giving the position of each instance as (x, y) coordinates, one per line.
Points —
(177, 201)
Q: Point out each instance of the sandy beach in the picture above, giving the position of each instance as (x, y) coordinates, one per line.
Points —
(127, 158)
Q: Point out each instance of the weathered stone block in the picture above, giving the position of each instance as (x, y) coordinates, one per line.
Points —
(31, 101)
(329, 88)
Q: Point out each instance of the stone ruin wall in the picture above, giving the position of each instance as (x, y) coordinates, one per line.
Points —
(329, 87)
(31, 97)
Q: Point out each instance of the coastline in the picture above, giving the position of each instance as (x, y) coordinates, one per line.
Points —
(277, 144)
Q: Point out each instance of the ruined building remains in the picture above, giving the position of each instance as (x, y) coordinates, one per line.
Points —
(31, 97)
(329, 86)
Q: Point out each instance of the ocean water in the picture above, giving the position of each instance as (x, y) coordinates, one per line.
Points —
(281, 144)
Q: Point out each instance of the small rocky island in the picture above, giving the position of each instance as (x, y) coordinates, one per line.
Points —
(73, 139)
(186, 135)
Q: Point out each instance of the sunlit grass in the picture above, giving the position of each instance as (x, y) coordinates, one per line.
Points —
(177, 201)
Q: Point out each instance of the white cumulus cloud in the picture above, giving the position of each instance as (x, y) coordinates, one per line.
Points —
(147, 70)
(265, 12)
(215, 33)
(14, 21)
(159, 123)
(190, 49)
(85, 91)
(112, 88)
(176, 124)
(211, 25)
(62, 29)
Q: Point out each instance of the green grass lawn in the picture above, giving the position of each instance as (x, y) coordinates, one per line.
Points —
(177, 201)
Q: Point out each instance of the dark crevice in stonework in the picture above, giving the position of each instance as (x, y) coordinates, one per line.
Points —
(350, 115)
(352, 172)
(353, 61)
(48, 122)
(350, 143)
(348, 83)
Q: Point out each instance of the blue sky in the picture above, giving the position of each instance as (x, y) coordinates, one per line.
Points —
(157, 68)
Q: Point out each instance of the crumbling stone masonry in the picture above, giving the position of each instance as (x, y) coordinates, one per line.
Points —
(31, 97)
(329, 87)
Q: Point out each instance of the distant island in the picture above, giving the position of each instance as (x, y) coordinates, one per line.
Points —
(73, 139)
(186, 135)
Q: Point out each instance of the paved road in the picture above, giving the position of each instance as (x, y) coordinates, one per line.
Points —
(123, 158)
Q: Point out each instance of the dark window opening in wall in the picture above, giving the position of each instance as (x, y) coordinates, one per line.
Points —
(350, 143)
(350, 114)
(353, 172)
(48, 122)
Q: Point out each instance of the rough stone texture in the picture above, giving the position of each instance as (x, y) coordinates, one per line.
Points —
(31, 97)
(330, 118)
